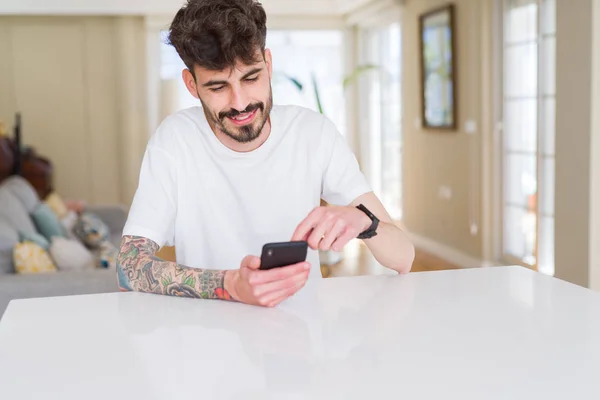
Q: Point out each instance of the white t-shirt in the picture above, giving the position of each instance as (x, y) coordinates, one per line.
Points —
(218, 206)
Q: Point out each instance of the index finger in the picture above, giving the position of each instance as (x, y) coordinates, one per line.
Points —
(306, 226)
(277, 274)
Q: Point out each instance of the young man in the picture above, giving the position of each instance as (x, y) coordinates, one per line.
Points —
(221, 180)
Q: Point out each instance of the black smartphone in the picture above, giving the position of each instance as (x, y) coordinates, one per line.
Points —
(277, 255)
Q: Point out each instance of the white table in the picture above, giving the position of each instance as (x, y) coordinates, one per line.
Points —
(491, 333)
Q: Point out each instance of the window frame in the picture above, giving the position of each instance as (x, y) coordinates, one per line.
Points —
(541, 33)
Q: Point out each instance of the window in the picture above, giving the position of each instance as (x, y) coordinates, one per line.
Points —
(302, 54)
(529, 42)
(174, 96)
(380, 110)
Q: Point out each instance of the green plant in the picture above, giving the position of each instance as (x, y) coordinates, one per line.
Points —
(348, 80)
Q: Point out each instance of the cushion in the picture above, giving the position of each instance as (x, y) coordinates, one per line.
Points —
(56, 204)
(91, 230)
(14, 212)
(35, 238)
(9, 238)
(108, 255)
(21, 188)
(32, 259)
(47, 222)
(68, 223)
(70, 255)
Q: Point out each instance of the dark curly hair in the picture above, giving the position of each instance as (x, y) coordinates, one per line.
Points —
(216, 34)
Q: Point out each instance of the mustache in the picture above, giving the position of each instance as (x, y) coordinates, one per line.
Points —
(234, 113)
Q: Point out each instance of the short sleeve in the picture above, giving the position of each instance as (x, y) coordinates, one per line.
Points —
(153, 210)
(343, 180)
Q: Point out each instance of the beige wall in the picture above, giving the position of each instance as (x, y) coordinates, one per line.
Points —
(436, 158)
(132, 103)
(573, 133)
(432, 159)
(69, 78)
(595, 153)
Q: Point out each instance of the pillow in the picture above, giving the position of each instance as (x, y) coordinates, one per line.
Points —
(34, 238)
(68, 223)
(9, 238)
(56, 204)
(31, 259)
(108, 255)
(47, 222)
(23, 190)
(91, 230)
(14, 212)
(70, 255)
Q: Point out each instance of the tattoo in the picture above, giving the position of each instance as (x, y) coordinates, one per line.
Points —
(149, 278)
(139, 269)
(122, 279)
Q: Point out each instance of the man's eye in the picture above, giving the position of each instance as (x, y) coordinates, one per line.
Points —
(217, 89)
(252, 79)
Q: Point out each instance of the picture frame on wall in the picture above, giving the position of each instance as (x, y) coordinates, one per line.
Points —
(438, 68)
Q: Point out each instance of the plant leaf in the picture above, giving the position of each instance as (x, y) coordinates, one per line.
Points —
(316, 89)
(358, 71)
(295, 82)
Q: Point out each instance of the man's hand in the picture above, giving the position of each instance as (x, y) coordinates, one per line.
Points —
(265, 288)
(331, 228)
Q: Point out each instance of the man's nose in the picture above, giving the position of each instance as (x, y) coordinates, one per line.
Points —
(239, 99)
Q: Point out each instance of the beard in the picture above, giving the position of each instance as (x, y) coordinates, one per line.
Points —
(246, 133)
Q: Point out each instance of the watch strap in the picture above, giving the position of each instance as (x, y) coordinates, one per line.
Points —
(372, 230)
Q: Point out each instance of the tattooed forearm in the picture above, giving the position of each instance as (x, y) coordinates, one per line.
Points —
(138, 269)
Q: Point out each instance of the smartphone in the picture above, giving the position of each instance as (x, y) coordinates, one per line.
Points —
(277, 255)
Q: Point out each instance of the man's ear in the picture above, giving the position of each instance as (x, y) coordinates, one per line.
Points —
(190, 82)
(269, 61)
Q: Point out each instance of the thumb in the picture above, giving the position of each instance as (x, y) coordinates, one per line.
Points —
(251, 262)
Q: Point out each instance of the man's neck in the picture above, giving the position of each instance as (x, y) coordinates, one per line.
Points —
(244, 147)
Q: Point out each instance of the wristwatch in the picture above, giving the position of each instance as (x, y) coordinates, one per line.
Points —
(372, 230)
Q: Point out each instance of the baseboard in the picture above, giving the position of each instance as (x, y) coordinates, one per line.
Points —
(446, 252)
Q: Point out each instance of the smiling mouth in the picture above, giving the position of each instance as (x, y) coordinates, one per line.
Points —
(243, 119)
